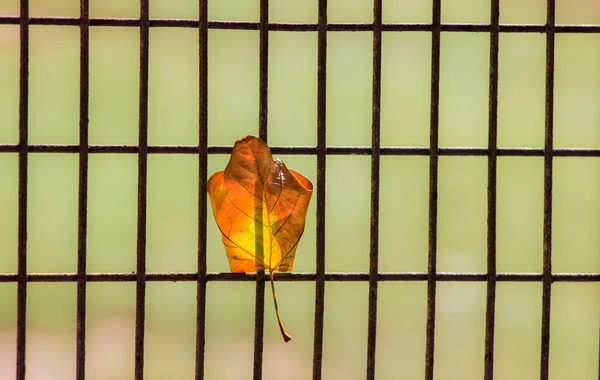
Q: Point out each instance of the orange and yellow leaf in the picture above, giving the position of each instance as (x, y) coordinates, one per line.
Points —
(260, 208)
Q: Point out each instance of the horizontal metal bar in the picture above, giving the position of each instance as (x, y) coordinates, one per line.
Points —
(303, 276)
(308, 150)
(308, 27)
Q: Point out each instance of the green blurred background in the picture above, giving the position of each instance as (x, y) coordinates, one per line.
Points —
(233, 112)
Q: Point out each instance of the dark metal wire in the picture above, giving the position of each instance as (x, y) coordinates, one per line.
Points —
(490, 313)
(84, 50)
(307, 150)
(22, 149)
(375, 169)
(433, 188)
(263, 107)
(140, 290)
(202, 177)
(320, 190)
(308, 27)
(305, 276)
(548, 158)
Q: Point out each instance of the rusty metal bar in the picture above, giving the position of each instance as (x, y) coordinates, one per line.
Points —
(548, 165)
(304, 276)
(202, 178)
(320, 190)
(23, 21)
(490, 313)
(433, 188)
(308, 27)
(308, 150)
(84, 69)
(140, 293)
(375, 182)
(263, 107)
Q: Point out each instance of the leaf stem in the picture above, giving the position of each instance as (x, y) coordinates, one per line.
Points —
(286, 337)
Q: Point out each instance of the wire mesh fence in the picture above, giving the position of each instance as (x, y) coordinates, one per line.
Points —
(432, 276)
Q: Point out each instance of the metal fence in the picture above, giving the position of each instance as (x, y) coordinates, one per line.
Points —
(321, 150)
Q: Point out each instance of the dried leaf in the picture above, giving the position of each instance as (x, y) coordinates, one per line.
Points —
(260, 208)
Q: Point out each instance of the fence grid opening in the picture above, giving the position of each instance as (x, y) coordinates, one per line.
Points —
(432, 276)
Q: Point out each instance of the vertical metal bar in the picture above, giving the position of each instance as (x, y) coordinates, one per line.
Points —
(321, 176)
(490, 313)
(259, 308)
(140, 294)
(375, 166)
(84, 45)
(433, 187)
(263, 107)
(202, 174)
(548, 164)
(22, 234)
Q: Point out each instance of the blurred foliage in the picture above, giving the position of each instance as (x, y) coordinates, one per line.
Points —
(233, 112)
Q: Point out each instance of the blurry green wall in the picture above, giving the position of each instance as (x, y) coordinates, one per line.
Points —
(233, 112)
